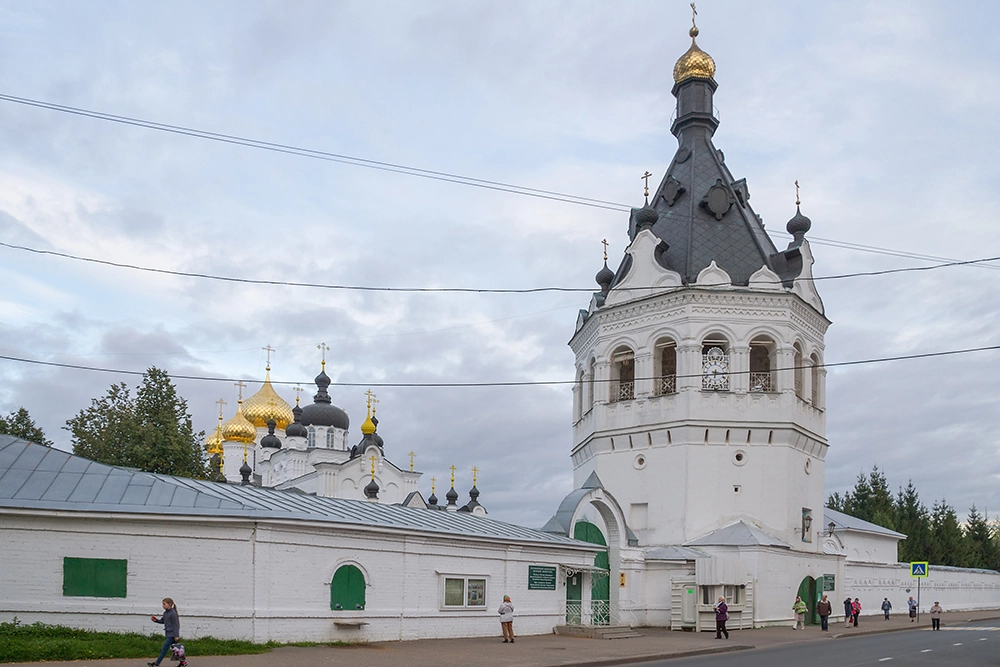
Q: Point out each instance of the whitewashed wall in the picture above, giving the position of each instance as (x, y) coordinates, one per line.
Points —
(957, 589)
(269, 580)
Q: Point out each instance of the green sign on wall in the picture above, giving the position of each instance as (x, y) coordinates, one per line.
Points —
(541, 578)
(829, 582)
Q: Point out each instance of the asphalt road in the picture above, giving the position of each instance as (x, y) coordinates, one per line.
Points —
(965, 645)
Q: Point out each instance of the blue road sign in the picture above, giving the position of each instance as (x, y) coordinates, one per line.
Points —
(919, 570)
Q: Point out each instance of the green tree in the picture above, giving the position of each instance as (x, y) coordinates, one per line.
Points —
(947, 541)
(835, 501)
(914, 521)
(20, 425)
(980, 548)
(151, 432)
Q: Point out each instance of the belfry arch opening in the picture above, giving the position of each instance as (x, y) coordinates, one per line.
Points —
(622, 375)
(762, 356)
(665, 367)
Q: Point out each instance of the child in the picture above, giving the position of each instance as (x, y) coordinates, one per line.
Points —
(171, 628)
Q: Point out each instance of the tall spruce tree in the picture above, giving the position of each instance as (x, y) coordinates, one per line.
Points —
(20, 425)
(883, 510)
(835, 502)
(948, 542)
(980, 548)
(913, 520)
(151, 432)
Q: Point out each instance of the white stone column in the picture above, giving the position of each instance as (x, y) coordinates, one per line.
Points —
(689, 367)
(739, 368)
(602, 384)
(644, 380)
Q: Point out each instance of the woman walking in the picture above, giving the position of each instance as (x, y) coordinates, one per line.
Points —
(721, 616)
(171, 628)
(800, 608)
(856, 608)
(848, 611)
(936, 616)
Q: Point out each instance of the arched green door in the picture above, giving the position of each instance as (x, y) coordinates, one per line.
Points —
(600, 587)
(347, 590)
(809, 591)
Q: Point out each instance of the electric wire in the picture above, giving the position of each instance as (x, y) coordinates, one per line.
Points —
(513, 383)
(474, 290)
(407, 170)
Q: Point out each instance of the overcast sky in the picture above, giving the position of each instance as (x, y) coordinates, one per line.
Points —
(888, 114)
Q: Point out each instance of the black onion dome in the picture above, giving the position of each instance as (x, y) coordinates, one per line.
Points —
(371, 491)
(452, 495)
(296, 429)
(433, 500)
(322, 412)
(799, 224)
(604, 277)
(271, 440)
(474, 493)
(646, 217)
(375, 436)
(245, 472)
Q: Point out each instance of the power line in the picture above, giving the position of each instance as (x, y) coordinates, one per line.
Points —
(405, 169)
(521, 383)
(476, 290)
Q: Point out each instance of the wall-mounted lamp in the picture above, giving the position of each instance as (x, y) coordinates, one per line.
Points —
(829, 528)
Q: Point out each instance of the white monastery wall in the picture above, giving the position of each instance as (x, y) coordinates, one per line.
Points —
(957, 589)
(271, 580)
(869, 548)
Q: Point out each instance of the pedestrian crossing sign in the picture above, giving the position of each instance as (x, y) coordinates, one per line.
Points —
(919, 570)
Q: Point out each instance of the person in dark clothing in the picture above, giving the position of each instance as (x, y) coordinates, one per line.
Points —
(171, 628)
(886, 607)
(721, 616)
(824, 608)
(848, 611)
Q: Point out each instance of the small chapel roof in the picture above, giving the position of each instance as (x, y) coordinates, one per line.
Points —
(38, 477)
(739, 534)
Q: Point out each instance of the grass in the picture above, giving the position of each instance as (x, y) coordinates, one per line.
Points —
(31, 643)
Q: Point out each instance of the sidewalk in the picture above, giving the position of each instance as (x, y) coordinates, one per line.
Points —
(546, 650)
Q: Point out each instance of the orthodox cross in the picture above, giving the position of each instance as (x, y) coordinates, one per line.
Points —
(323, 348)
(453, 477)
(433, 480)
(413, 455)
(797, 202)
(645, 177)
(240, 384)
(298, 390)
(694, 13)
(605, 243)
(373, 467)
(475, 471)
(220, 403)
(269, 350)
(370, 395)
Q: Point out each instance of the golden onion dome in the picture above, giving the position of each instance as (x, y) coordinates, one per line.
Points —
(239, 429)
(695, 63)
(265, 405)
(213, 442)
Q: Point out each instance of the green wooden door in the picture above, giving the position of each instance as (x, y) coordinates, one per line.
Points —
(347, 590)
(600, 587)
(810, 592)
(574, 593)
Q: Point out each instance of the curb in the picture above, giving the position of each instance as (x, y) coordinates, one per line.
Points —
(650, 657)
(905, 628)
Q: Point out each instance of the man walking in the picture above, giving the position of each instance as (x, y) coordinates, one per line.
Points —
(507, 619)
(887, 607)
(912, 604)
(721, 616)
(824, 609)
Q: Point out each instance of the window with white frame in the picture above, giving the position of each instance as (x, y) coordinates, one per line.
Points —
(464, 592)
(311, 437)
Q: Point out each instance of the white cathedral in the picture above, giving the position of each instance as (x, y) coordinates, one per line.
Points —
(699, 426)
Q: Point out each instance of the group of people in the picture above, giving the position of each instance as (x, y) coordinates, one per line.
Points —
(852, 610)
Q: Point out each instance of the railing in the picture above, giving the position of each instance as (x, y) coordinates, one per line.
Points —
(761, 382)
(666, 385)
(625, 391)
(595, 612)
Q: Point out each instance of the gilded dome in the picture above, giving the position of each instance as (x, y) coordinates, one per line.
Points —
(213, 442)
(695, 63)
(266, 404)
(239, 429)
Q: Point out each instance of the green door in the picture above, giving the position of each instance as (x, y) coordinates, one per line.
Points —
(810, 592)
(574, 593)
(600, 587)
(347, 590)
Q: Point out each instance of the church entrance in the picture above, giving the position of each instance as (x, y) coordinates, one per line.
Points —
(810, 591)
(600, 587)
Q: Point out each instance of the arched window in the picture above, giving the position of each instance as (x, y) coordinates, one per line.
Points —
(347, 590)
(665, 361)
(622, 375)
(817, 375)
(762, 364)
(590, 384)
(797, 364)
(311, 438)
(330, 438)
(715, 364)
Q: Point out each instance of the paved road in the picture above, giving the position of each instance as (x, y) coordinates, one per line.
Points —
(968, 645)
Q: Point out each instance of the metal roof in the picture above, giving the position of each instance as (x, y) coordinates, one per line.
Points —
(739, 534)
(38, 477)
(848, 522)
